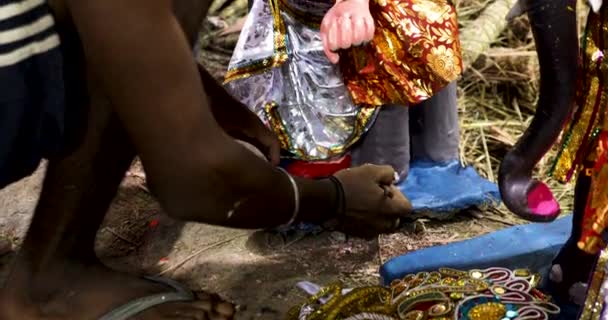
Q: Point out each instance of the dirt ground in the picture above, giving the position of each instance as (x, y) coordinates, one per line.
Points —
(256, 270)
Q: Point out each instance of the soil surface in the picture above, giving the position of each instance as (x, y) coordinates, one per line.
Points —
(257, 270)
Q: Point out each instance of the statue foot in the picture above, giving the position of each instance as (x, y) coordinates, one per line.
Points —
(570, 272)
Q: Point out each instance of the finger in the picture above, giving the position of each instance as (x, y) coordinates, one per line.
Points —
(272, 146)
(253, 146)
(214, 304)
(369, 29)
(274, 154)
(387, 191)
(225, 309)
(206, 305)
(345, 32)
(331, 56)
(359, 31)
(332, 37)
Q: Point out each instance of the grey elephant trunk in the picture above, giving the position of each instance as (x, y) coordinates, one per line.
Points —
(554, 27)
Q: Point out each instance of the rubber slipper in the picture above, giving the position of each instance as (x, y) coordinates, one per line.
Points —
(132, 308)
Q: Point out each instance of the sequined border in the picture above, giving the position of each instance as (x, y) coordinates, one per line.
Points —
(364, 118)
(594, 302)
(585, 123)
(280, 50)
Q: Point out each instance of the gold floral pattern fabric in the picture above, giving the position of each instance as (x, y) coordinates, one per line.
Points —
(415, 52)
(488, 294)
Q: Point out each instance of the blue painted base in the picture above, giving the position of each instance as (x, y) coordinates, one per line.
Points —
(443, 188)
(531, 246)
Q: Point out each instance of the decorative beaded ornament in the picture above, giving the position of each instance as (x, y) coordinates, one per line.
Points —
(446, 294)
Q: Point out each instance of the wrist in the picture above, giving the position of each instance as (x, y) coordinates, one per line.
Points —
(318, 200)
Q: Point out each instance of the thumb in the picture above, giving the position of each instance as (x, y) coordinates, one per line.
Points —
(274, 150)
(332, 56)
(398, 205)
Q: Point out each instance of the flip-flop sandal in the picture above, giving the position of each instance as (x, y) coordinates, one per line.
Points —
(133, 307)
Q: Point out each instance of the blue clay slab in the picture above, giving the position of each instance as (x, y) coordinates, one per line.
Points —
(532, 246)
(443, 188)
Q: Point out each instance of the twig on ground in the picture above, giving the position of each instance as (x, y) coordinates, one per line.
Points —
(121, 237)
(196, 253)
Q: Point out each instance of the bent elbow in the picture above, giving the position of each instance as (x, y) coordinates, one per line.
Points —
(192, 196)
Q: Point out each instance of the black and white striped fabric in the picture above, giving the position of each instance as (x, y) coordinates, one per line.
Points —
(32, 94)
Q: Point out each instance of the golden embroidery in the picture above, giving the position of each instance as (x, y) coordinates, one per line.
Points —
(493, 293)
(415, 53)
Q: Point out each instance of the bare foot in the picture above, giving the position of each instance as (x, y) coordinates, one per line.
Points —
(72, 291)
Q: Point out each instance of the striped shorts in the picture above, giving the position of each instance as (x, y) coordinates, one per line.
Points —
(32, 88)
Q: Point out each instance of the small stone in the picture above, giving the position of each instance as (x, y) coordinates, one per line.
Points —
(438, 309)
(456, 295)
(499, 290)
(419, 227)
(511, 314)
(522, 273)
(476, 275)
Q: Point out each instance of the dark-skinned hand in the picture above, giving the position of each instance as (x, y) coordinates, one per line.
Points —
(373, 205)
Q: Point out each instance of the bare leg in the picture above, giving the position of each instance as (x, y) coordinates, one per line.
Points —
(434, 127)
(387, 142)
(56, 274)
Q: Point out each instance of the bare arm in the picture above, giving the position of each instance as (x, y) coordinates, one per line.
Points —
(139, 53)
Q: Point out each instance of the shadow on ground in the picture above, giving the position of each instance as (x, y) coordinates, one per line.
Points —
(255, 271)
